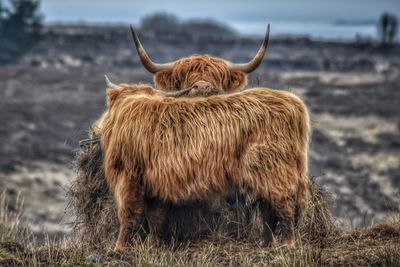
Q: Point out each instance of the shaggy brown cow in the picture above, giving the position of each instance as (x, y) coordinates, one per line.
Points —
(184, 149)
(207, 75)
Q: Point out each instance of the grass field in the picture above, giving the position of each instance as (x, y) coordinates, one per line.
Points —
(320, 243)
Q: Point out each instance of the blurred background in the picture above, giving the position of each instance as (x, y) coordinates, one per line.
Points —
(329, 20)
(341, 57)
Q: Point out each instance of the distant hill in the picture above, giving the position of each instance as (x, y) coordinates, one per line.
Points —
(166, 23)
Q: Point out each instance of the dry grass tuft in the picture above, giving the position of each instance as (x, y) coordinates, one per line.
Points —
(91, 202)
(11, 228)
(96, 218)
(225, 234)
(374, 246)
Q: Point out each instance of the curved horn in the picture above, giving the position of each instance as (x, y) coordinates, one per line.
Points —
(255, 62)
(145, 59)
(110, 84)
(176, 93)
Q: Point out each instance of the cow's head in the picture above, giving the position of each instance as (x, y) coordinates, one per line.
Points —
(206, 75)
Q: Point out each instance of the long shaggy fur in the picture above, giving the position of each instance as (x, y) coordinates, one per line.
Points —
(188, 149)
(187, 71)
(96, 220)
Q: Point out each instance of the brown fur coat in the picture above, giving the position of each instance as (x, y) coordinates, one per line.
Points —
(181, 149)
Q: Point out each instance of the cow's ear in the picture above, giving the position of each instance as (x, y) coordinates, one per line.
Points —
(113, 90)
(112, 94)
(237, 80)
(163, 80)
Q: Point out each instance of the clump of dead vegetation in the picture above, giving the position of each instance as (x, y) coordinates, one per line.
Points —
(225, 236)
(96, 217)
(229, 228)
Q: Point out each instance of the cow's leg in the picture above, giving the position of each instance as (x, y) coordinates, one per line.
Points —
(278, 209)
(130, 203)
(282, 203)
(155, 214)
(290, 204)
(273, 176)
(286, 220)
(270, 220)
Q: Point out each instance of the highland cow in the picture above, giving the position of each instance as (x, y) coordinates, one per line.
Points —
(207, 75)
(187, 149)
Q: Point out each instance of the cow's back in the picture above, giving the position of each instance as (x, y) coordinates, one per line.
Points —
(192, 148)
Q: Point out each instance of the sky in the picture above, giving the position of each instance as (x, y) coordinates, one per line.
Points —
(322, 10)
(287, 15)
